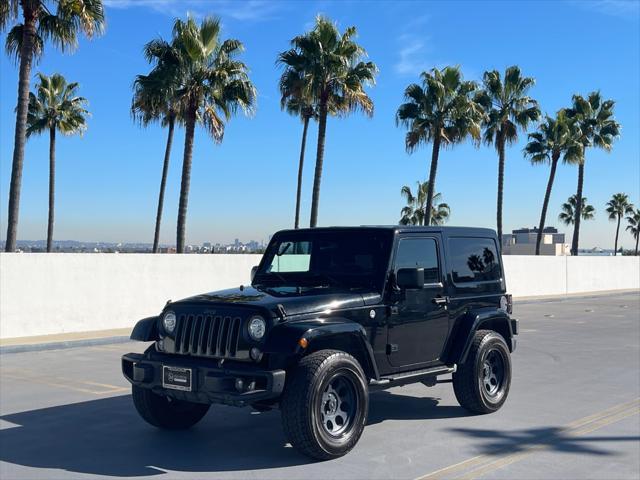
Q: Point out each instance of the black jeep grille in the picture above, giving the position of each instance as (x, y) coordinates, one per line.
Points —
(207, 335)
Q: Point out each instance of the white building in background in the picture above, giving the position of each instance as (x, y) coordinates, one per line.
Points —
(523, 242)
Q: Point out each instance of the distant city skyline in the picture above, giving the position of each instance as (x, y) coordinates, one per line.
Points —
(107, 181)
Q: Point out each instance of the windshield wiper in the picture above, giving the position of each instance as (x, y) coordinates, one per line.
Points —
(265, 277)
(331, 279)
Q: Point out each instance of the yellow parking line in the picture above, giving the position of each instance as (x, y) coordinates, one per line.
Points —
(65, 383)
(608, 421)
(482, 464)
(609, 411)
(516, 457)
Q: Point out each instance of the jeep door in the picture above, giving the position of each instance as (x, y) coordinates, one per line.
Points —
(418, 326)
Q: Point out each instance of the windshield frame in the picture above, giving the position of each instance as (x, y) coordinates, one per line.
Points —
(303, 279)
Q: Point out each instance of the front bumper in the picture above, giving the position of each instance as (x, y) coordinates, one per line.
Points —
(211, 383)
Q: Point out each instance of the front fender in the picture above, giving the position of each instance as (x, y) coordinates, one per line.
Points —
(146, 330)
(472, 321)
(328, 333)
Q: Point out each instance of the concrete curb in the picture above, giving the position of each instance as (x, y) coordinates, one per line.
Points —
(37, 347)
(572, 296)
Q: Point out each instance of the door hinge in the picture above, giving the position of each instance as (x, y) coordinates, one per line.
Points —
(392, 348)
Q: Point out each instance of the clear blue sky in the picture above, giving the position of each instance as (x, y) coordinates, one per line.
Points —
(107, 181)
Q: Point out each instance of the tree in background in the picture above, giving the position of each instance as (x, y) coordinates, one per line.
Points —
(442, 112)
(335, 77)
(414, 212)
(618, 207)
(598, 128)
(555, 138)
(57, 21)
(295, 101)
(633, 227)
(508, 108)
(568, 213)
(55, 107)
(154, 99)
(210, 86)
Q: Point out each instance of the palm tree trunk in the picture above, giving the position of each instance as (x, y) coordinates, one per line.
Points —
(500, 187)
(615, 248)
(435, 152)
(637, 239)
(52, 184)
(576, 221)
(547, 196)
(26, 58)
(322, 130)
(300, 168)
(190, 124)
(163, 183)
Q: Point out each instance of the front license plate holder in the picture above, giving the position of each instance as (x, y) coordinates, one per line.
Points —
(177, 378)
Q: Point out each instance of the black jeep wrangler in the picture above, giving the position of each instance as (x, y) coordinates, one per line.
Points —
(332, 314)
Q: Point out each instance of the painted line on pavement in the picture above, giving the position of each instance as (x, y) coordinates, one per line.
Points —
(483, 464)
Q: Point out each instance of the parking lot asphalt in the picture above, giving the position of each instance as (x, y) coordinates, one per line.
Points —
(573, 412)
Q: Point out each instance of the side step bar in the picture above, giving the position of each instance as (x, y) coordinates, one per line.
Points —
(398, 379)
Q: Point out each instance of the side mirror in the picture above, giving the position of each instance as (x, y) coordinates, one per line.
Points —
(410, 278)
(253, 272)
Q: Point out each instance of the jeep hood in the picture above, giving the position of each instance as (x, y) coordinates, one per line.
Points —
(308, 300)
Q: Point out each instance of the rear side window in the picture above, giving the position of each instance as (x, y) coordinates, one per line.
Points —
(419, 253)
(474, 260)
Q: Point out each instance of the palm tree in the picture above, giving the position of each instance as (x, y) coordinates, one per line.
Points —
(555, 138)
(25, 42)
(154, 100)
(442, 112)
(55, 107)
(633, 226)
(568, 213)
(508, 108)
(210, 86)
(617, 207)
(334, 80)
(293, 100)
(594, 118)
(414, 212)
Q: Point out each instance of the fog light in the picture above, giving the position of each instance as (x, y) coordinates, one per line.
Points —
(239, 384)
(256, 354)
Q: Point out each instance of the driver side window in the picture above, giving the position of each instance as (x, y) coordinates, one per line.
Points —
(419, 253)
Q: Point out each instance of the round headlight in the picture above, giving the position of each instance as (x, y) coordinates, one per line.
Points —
(257, 328)
(169, 322)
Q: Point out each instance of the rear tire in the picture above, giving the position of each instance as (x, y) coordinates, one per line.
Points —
(482, 382)
(167, 413)
(325, 404)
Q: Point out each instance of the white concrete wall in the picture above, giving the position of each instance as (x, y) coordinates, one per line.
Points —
(65, 292)
(58, 293)
(529, 276)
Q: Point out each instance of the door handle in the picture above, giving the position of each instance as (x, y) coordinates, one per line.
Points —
(441, 300)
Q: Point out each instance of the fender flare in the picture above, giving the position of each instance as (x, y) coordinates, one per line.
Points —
(472, 321)
(145, 330)
(322, 333)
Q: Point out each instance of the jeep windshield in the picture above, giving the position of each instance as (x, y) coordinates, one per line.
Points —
(349, 259)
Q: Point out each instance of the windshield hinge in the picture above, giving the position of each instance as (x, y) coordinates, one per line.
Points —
(282, 313)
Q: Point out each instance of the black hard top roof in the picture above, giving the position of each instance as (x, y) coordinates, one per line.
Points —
(448, 231)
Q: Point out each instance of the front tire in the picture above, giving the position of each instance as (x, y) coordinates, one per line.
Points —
(167, 413)
(325, 404)
(482, 382)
